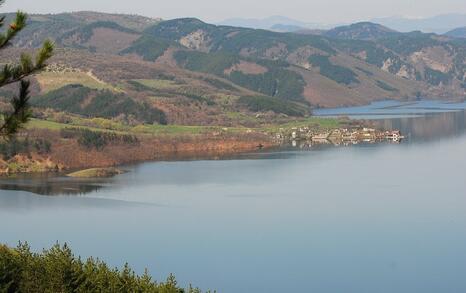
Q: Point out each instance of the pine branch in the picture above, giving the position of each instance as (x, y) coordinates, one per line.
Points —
(15, 27)
(2, 18)
(20, 114)
(14, 73)
(12, 121)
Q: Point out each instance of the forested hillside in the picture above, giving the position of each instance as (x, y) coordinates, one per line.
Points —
(185, 71)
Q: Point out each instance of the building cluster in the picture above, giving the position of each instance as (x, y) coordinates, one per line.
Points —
(305, 136)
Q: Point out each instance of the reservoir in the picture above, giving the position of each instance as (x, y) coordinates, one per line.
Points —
(365, 218)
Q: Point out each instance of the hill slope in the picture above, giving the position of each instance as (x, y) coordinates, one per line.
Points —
(361, 31)
(457, 33)
(437, 24)
(191, 72)
(416, 62)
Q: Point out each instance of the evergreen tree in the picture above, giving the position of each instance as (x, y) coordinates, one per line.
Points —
(58, 270)
(11, 121)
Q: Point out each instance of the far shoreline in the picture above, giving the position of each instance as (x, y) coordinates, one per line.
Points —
(146, 143)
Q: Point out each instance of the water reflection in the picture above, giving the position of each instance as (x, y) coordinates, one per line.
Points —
(393, 109)
(390, 218)
(51, 184)
(428, 127)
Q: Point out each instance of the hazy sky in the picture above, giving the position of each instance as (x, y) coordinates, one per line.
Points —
(321, 11)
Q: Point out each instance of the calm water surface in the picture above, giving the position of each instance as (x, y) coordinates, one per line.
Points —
(386, 218)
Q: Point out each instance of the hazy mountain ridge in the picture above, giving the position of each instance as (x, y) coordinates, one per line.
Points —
(361, 31)
(439, 24)
(457, 33)
(269, 22)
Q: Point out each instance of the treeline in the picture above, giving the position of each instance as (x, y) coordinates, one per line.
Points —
(233, 39)
(385, 86)
(436, 77)
(214, 63)
(409, 43)
(78, 99)
(86, 32)
(98, 139)
(59, 270)
(262, 40)
(148, 47)
(278, 81)
(15, 146)
(374, 54)
(334, 72)
(219, 84)
(264, 104)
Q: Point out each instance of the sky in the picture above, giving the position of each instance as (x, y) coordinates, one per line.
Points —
(311, 11)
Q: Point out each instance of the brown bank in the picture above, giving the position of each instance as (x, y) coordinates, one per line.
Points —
(69, 154)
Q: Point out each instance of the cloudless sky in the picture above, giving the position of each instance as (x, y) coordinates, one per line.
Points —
(319, 11)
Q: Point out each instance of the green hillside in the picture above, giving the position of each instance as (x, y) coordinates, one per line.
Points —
(191, 72)
(78, 99)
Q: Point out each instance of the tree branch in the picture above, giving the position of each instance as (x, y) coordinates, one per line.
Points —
(21, 113)
(12, 74)
(12, 121)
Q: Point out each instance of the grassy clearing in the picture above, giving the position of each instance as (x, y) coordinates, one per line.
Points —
(175, 130)
(77, 123)
(182, 129)
(45, 124)
(314, 122)
(159, 84)
(50, 81)
(242, 117)
(108, 125)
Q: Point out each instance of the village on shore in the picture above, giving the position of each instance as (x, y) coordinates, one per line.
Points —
(306, 137)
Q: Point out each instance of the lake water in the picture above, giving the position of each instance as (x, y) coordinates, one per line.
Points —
(393, 109)
(372, 218)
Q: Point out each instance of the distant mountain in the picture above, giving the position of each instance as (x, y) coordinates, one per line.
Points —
(325, 71)
(270, 22)
(361, 31)
(265, 23)
(77, 28)
(286, 28)
(439, 24)
(185, 71)
(457, 33)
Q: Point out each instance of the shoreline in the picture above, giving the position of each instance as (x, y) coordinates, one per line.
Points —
(70, 149)
(51, 146)
(70, 157)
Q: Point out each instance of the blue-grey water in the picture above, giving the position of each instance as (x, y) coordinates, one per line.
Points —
(372, 218)
(393, 109)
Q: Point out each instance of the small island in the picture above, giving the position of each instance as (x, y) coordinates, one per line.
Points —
(96, 173)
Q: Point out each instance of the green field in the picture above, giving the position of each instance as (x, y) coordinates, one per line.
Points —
(51, 125)
(50, 81)
(313, 122)
(175, 130)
